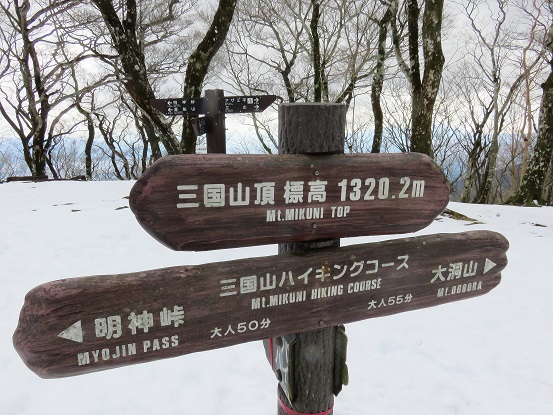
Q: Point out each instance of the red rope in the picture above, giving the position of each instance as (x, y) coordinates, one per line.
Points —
(290, 411)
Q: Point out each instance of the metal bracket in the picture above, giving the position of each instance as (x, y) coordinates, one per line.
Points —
(199, 126)
(280, 354)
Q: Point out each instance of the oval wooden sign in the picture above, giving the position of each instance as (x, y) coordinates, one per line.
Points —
(213, 201)
(82, 325)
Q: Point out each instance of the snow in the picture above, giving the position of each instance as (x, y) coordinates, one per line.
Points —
(488, 355)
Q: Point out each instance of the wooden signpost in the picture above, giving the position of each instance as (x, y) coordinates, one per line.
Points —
(304, 202)
(82, 325)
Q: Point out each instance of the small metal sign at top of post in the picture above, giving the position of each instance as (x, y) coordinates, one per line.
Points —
(214, 105)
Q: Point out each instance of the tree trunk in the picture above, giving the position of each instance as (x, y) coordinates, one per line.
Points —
(421, 125)
(316, 47)
(35, 92)
(532, 187)
(425, 90)
(89, 140)
(149, 129)
(88, 146)
(125, 41)
(484, 192)
(472, 173)
(198, 65)
(535, 186)
(378, 80)
(547, 194)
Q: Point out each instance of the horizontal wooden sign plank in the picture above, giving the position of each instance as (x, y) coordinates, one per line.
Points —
(213, 201)
(87, 324)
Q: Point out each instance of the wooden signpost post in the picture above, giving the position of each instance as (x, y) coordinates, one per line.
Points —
(304, 202)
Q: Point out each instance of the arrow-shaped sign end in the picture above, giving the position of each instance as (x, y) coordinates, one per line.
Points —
(266, 101)
(73, 333)
(489, 265)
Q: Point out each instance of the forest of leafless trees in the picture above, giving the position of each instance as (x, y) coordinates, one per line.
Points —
(468, 82)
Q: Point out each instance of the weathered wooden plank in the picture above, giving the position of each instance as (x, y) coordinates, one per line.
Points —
(200, 202)
(74, 326)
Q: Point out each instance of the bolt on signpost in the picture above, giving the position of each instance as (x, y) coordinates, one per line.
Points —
(300, 298)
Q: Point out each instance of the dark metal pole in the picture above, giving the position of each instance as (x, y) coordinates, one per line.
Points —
(312, 128)
(215, 122)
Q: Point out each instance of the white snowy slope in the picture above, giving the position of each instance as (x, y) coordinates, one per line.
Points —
(489, 355)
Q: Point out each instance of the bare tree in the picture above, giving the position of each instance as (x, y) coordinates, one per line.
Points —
(534, 185)
(491, 81)
(533, 11)
(200, 61)
(10, 163)
(35, 71)
(115, 132)
(137, 27)
(378, 78)
(397, 113)
(132, 28)
(446, 147)
(307, 50)
(424, 75)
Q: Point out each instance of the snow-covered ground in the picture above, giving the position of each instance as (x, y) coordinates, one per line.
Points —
(488, 355)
